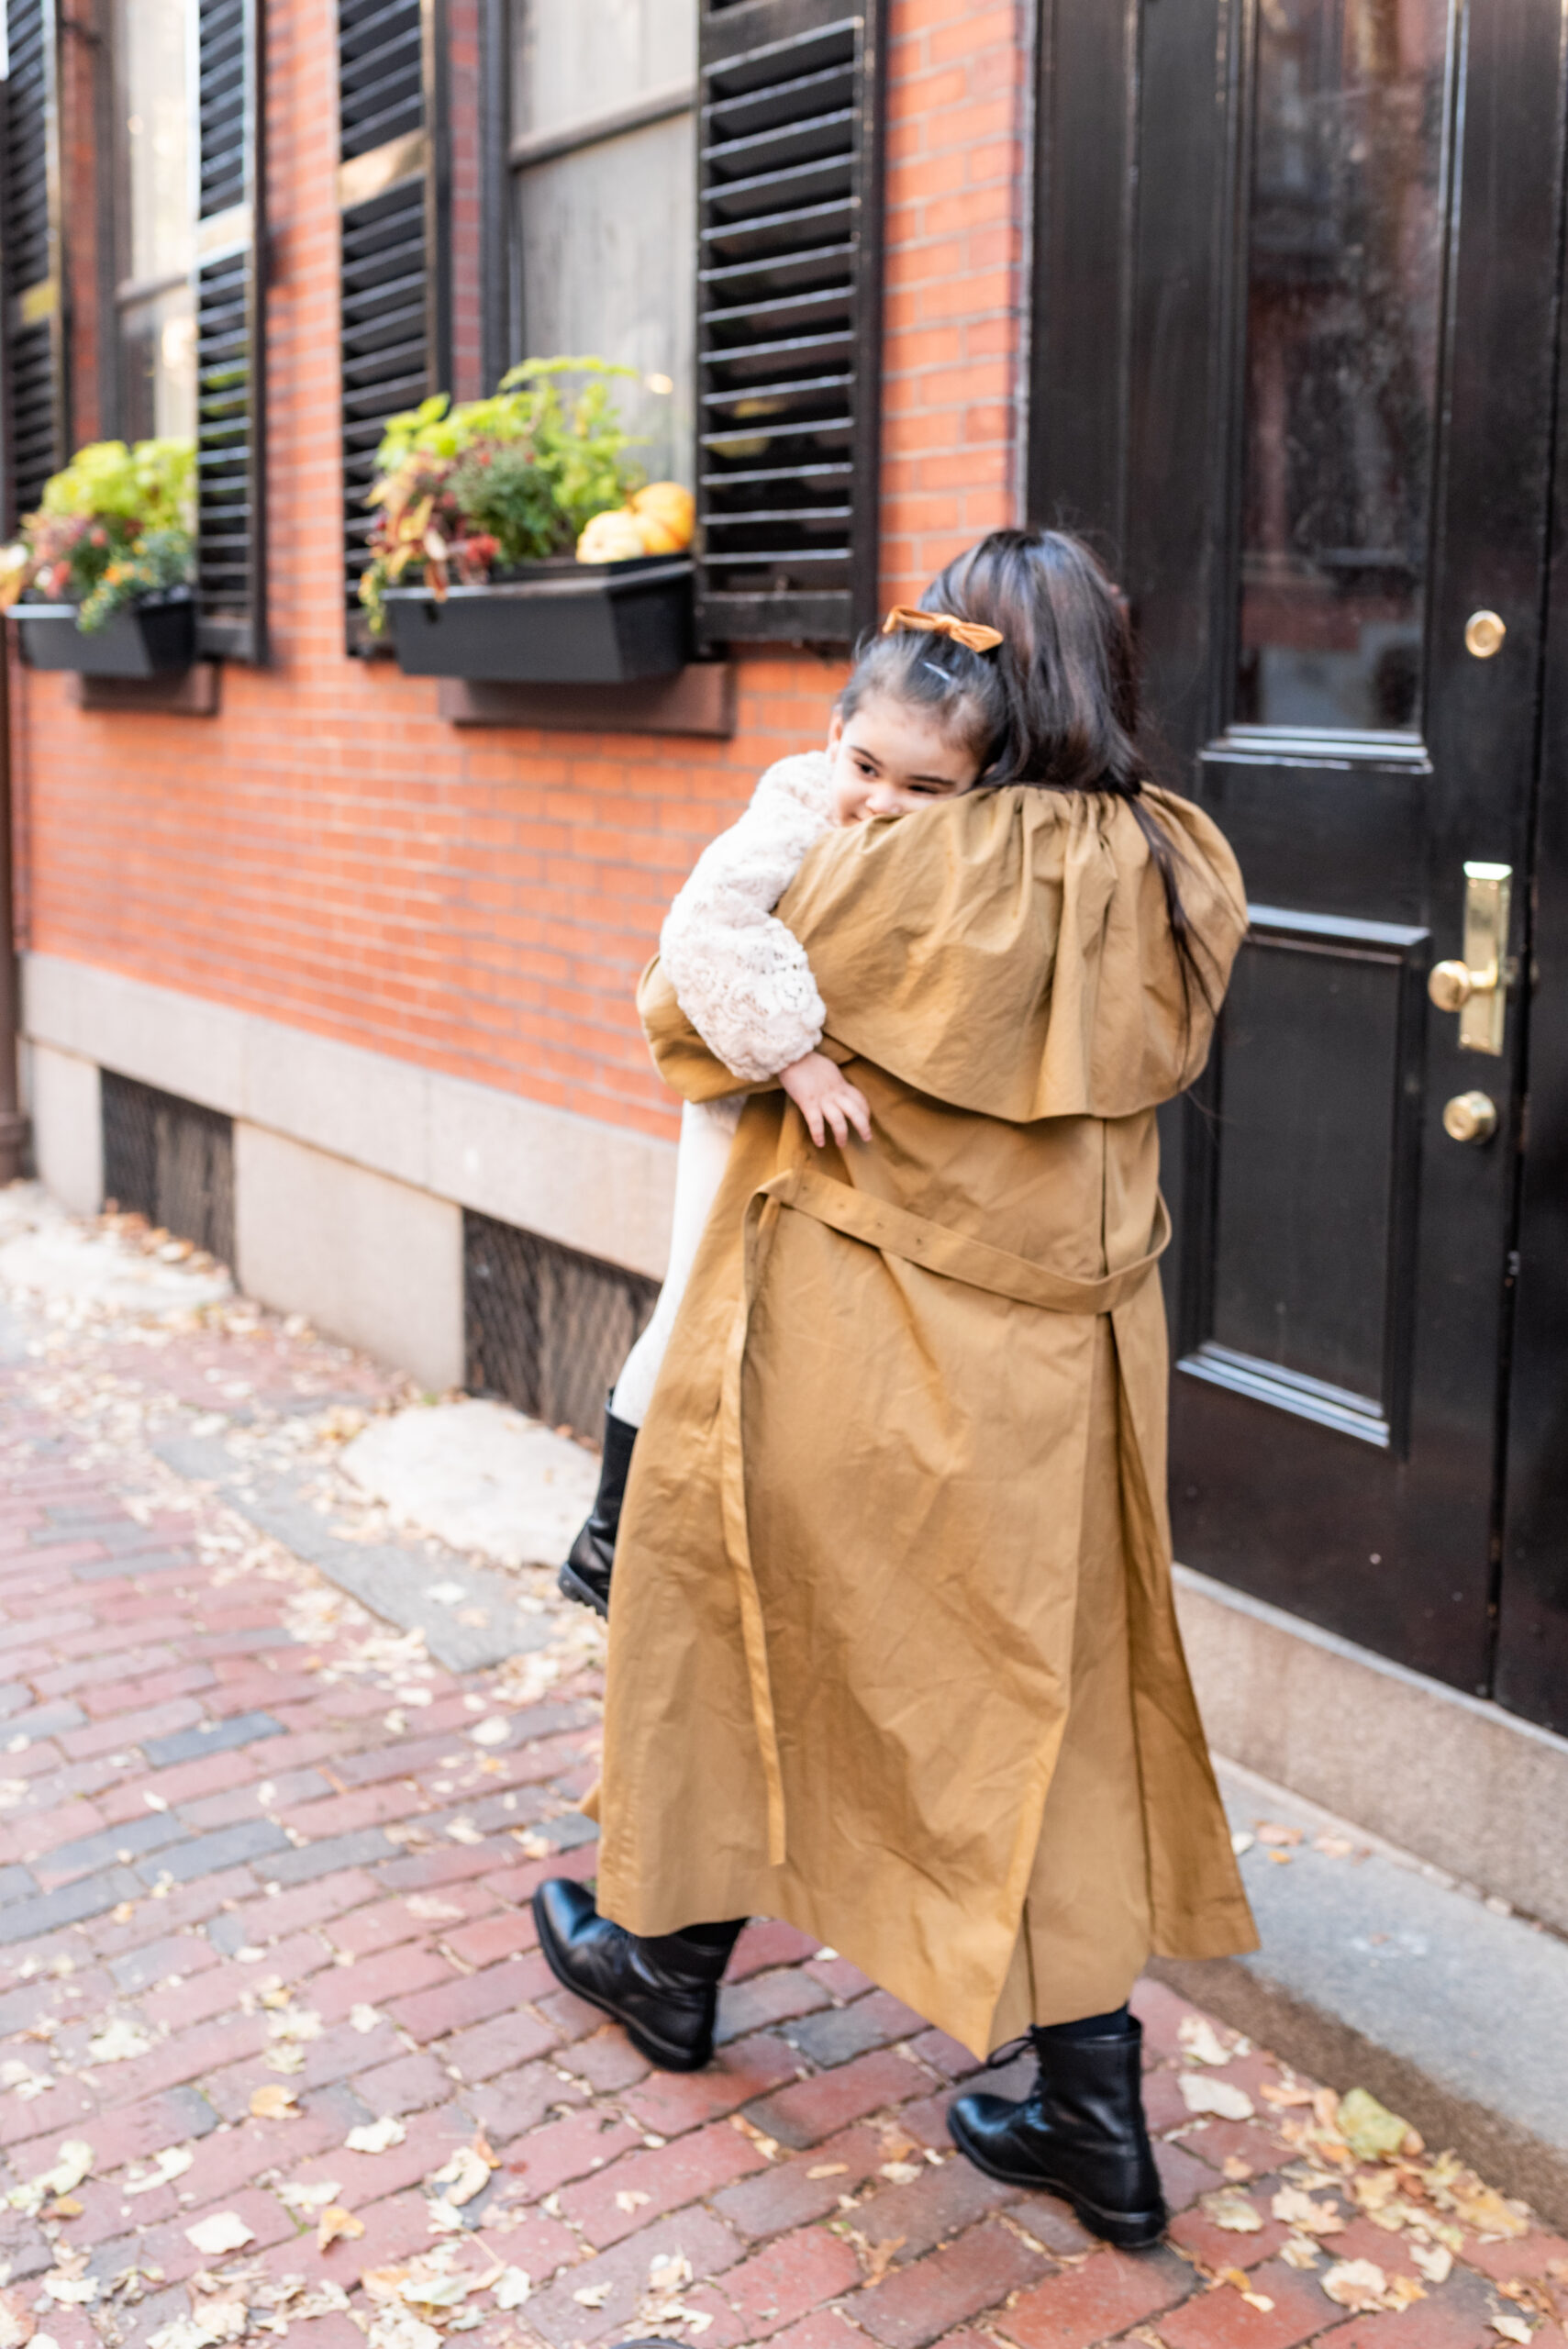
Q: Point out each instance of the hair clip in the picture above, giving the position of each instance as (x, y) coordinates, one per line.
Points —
(973, 635)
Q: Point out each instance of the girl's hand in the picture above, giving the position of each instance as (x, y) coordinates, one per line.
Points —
(825, 1098)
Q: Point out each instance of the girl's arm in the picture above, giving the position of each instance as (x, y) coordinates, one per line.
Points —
(741, 978)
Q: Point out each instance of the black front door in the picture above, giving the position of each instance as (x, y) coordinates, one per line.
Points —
(1296, 266)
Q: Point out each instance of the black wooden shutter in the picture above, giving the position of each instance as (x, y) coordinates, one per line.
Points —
(789, 320)
(231, 342)
(36, 405)
(393, 194)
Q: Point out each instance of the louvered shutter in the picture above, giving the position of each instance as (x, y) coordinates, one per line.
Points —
(393, 197)
(37, 425)
(231, 343)
(789, 318)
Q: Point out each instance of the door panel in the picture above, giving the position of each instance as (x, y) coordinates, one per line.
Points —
(1335, 364)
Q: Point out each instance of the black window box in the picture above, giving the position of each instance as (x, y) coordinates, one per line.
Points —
(556, 623)
(149, 639)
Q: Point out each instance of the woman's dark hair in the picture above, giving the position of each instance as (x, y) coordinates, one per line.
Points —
(1055, 704)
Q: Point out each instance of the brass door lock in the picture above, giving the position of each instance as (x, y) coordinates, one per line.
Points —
(1470, 1117)
(1477, 987)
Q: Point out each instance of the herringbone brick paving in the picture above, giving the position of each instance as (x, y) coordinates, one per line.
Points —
(251, 1842)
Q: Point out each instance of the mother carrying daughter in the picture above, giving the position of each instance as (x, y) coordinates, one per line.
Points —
(893, 1653)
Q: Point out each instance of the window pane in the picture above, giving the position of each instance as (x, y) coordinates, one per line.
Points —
(608, 237)
(1344, 282)
(149, 51)
(158, 367)
(573, 59)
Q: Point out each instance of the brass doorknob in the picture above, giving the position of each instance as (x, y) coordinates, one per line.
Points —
(1470, 1117)
(1483, 634)
(1452, 985)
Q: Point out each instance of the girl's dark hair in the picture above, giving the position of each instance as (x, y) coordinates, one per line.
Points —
(1055, 704)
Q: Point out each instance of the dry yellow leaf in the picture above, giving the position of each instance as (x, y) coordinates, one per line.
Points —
(829, 2169)
(882, 2257)
(337, 2225)
(274, 2102)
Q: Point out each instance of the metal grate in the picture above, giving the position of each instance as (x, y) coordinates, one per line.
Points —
(381, 72)
(171, 1161)
(35, 423)
(789, 291)
(546, 1329)
(387, 340)
(231, 333)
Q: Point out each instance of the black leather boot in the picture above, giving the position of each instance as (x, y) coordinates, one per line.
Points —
(1081, 2134)
(663, 1991)
(585, 1576)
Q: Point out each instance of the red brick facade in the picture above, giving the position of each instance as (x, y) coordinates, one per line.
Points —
(327, 850)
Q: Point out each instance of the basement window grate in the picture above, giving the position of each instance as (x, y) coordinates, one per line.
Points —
(547, 1327)
(171, 1161)
(788, 318)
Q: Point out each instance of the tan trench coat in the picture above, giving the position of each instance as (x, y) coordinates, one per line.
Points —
(912, 1412)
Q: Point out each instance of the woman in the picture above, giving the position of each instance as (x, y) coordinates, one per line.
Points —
(893, 1653)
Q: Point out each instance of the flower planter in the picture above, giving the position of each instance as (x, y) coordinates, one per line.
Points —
(555, 623)
(147, 639)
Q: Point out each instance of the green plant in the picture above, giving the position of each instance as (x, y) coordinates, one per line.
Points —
(478, 487)
(114, 526)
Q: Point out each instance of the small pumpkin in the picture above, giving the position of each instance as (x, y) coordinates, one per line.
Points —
(668, 511)
(612, 537)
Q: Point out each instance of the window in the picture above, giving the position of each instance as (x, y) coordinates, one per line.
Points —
(36, 413)
(603, 194)
(154, 299)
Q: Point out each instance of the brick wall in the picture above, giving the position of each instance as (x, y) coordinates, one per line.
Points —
(327, 850)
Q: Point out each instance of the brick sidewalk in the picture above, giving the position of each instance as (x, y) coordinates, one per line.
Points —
(258, 1855)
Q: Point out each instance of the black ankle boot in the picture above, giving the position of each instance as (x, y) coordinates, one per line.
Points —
(585, 1576)
(1081, 2134)
(663, 1991)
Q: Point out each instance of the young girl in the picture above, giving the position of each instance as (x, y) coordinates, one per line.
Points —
(924, 715)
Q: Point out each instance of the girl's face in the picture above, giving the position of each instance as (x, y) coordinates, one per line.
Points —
(887, 760)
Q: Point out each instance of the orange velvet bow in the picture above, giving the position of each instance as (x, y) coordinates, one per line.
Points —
(974, 634)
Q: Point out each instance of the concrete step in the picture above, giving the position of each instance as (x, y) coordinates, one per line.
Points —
(1380, 1970)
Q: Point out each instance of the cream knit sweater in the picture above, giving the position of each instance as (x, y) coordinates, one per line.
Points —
(740, 977)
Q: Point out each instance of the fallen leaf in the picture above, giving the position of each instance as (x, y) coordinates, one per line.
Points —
(1284, 2092)
(284, 2057)
(224, 2231)
(274, 2102)
(399, 2328)
(72, 2163)
(1512, 2327)
(901, 2173)
(302, 2200)
(485, 2150)
(1370, 2129)
(442, 2218)
(1298, 2251)
(1271, 1831)
(1199, 2040)
(511, 2288)
(1237, 2170)
(464, 1831)
(767, 2146)
(1333, 1847)
(426, 1905)
(882, 2257)
(364, 2018)
(592, 2296)
(1298, 2209)
(117, 2042)
(1434, 2259)
(337, 2225)
(17, 2322)
(493, 1731)
(375, 2136)
(1241, 1841)
(1361, 2285)
(631, 2199)
(1222, 2098)
(464, 2176)
(829, 2169)
(65, 2207)
(1232, 2210)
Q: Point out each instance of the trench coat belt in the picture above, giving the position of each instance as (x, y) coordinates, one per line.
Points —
(917, 1241)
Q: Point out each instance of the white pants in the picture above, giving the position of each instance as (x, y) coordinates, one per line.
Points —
(707, 1128)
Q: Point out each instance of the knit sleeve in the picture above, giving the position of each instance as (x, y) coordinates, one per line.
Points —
(741, 978)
